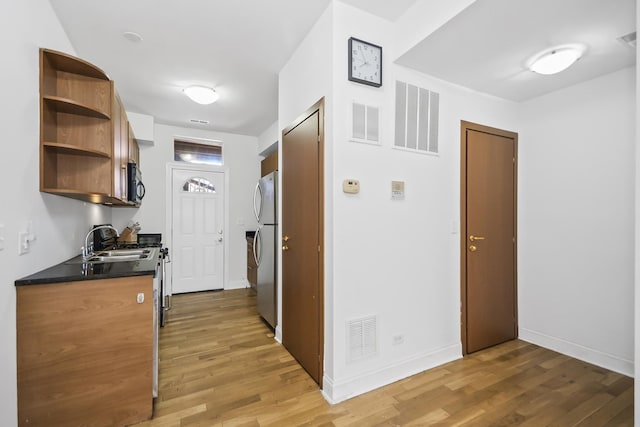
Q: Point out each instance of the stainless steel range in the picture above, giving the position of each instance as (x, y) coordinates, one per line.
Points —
(161, 290)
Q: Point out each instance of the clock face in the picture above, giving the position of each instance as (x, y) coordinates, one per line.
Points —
(365, 62)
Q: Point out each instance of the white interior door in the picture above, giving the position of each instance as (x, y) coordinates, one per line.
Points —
(197, 230)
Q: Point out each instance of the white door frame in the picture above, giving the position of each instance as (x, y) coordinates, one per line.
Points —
(171, 166)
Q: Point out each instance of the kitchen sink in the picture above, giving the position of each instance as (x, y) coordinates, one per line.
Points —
(123, 252)
(115, 255)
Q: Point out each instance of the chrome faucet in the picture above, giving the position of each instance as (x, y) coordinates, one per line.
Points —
(88, 251)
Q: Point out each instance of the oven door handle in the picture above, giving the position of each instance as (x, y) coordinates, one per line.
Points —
(169, 296)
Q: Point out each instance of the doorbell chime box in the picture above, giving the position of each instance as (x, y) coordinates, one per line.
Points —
(397, 190)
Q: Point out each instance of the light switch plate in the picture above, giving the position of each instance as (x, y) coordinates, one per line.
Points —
(351, 186)
(23, 243)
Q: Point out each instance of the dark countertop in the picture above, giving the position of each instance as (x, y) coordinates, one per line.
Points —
(250, 234)
(74, 270)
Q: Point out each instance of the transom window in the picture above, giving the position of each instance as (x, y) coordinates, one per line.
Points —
(192, 152)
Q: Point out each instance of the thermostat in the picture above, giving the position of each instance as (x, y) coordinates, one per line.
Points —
(351, 186)
(397, 190)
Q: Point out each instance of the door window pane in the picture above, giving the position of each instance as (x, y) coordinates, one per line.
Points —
(198, 185)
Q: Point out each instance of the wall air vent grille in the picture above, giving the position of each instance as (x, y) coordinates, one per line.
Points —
(417, 114)
(365, 123)
(362, 337)
(200, 122)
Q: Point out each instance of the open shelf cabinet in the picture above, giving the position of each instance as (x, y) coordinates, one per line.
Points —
(81, 131)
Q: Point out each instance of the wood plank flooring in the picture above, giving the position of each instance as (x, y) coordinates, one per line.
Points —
(220, 366)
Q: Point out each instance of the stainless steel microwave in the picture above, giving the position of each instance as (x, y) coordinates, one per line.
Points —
(135, 188)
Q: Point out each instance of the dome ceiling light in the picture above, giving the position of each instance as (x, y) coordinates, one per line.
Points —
(132, 36)
(555, 60)
(201, 94)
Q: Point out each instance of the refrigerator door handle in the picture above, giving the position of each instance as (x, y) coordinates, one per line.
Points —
(257, 248)
(257, 209)
(255, 245)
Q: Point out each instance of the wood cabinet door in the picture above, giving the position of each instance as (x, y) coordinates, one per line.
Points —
(120, 149)
(84, 352)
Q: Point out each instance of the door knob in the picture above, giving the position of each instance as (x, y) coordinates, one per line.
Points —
(220, 239)
(472, 248)
(473, 238)
(285, 247)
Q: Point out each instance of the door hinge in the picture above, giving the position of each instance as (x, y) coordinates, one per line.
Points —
(318, 138)
(318, 248)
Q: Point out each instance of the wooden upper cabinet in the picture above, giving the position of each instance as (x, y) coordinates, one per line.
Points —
(120, 150)
(81, 131)
(269, 164)
(134, 148)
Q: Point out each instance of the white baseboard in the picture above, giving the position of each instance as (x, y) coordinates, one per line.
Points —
(338, 391)
(577, 351)
(237, 284)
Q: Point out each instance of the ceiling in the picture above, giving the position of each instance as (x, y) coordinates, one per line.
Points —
(486, 47)
(238, 47)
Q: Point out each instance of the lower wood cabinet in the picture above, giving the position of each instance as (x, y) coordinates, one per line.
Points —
(85, 352)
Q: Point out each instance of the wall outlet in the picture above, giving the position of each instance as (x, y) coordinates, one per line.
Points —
(398, 339)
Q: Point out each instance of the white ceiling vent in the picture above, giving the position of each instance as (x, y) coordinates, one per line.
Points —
(362, 338)
(200, 122)
(629, 39)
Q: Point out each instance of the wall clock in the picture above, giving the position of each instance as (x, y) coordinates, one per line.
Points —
(365, 62)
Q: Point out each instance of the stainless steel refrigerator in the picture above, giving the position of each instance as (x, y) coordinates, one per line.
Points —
(264, 244)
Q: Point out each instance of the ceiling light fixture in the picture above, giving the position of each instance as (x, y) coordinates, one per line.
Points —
(557, 59)
(132, 37)
(201, 94)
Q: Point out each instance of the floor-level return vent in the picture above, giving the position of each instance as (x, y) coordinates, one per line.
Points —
(362, 338)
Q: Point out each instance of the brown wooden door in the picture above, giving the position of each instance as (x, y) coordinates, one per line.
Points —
(302, 290)
(489, 172)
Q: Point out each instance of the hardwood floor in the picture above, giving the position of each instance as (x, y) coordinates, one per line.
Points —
(220, 366)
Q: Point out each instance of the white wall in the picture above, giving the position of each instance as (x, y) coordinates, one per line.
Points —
(576, 221)
(242, 167)
(637, 228)
(268, 140)
(398, 260)
(59, 223)
(302, 82)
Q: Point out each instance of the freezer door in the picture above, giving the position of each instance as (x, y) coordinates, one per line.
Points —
(266, 209)
(267, 273)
